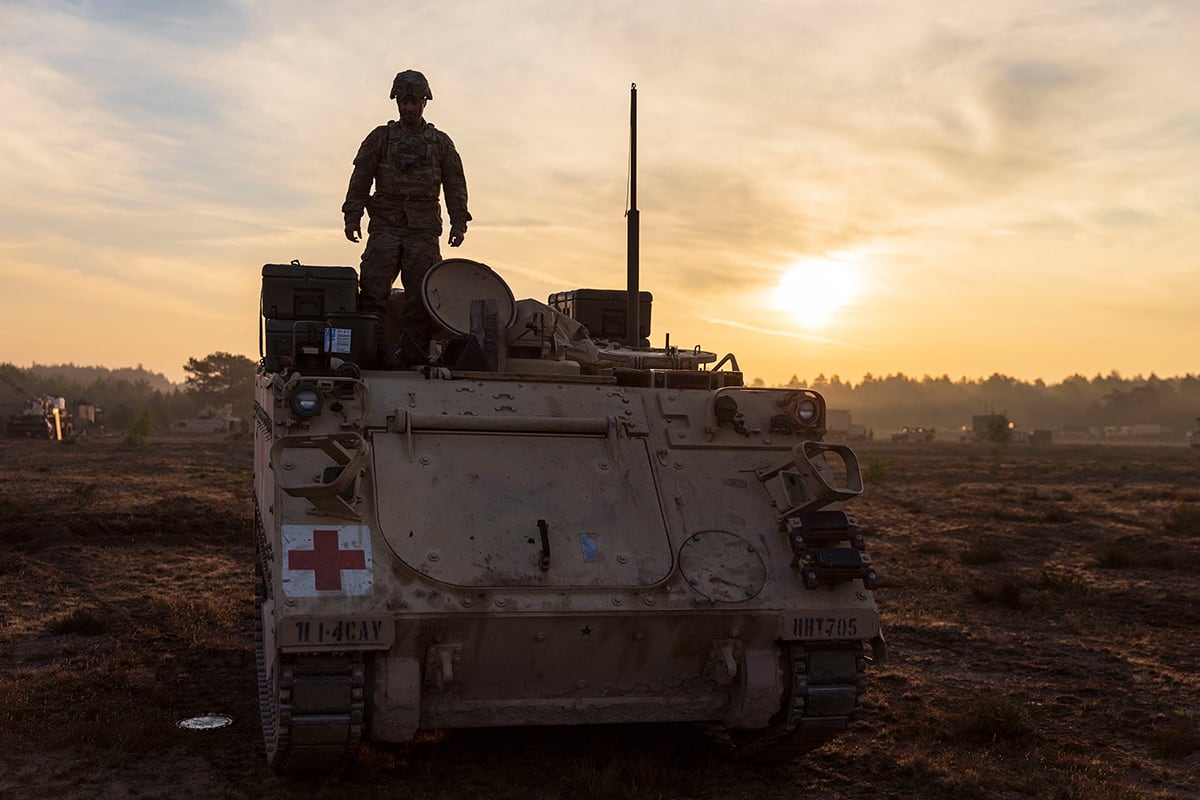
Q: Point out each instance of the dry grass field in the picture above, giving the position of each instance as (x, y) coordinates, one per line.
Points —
(1042, 606)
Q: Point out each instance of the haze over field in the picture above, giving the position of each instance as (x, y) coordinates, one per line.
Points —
(836, 188)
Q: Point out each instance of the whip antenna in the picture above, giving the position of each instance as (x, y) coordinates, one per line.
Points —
(633, 323)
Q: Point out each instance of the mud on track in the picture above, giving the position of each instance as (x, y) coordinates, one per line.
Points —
(1041, 605)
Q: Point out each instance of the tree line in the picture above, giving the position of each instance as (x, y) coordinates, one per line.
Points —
(882, 403)
(888, 402)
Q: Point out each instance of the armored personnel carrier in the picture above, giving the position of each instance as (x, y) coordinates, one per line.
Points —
(538, 527)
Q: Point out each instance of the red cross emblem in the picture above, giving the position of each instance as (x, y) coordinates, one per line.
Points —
(326, 560)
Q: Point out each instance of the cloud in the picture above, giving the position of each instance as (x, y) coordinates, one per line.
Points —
(808, 337)
(1055, 145)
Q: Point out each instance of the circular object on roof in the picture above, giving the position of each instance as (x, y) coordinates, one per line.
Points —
(450, 286)
(205, 722)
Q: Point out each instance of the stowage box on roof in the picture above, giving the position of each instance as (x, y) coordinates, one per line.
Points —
(299, 291)
(290, 339)
(602, 311)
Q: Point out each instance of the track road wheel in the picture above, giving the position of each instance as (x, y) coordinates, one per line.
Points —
(268, 695)
(824, 691)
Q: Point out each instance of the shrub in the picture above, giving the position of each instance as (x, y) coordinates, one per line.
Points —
(138, 428)
(10, 564)
(1176, 737)
(1007, 593)
(989, 719)
(982, 552)
(877, 470)
(1117, 555)
(1130, 552)
(1062, 582)
(1184, 520)
(998, 433)
(10, 507)
(82, 621)
(1057, 515)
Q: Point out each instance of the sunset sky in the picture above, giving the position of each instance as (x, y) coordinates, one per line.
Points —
(825, 187)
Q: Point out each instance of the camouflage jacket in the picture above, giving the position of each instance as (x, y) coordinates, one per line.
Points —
(407, 170)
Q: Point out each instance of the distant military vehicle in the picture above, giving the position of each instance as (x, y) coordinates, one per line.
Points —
(42, 417)
(913, 433)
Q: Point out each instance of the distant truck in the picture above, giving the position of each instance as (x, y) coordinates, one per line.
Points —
(1149, 431)
(211, 420)
(839, 426)
(1137, 431)
(913, 433)
(837, 422)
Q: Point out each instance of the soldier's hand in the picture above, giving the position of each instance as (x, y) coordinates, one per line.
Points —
(353, 232)
(457, 235)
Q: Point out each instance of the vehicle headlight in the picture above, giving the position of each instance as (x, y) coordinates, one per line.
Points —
(806, 410)
(306, 401)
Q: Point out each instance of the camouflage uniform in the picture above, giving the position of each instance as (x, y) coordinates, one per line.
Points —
(407, 170)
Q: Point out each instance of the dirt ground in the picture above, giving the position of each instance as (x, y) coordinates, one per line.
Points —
(1041, 604)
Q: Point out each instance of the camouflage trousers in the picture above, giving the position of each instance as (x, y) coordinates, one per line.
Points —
(406, 253)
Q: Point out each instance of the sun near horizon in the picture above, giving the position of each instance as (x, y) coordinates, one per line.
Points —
(814, 290)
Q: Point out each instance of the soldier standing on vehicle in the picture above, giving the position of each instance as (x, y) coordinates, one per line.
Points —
(408, 161)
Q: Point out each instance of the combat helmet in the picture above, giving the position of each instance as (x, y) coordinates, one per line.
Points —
(411, 82)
